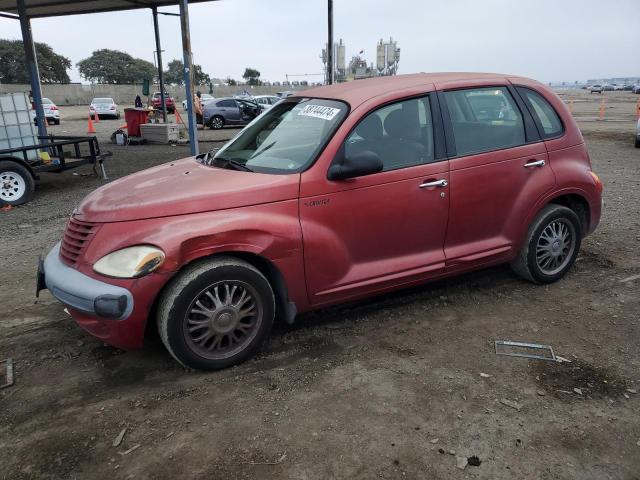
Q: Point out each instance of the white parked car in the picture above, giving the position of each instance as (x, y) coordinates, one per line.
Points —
(266, 101)
(51, 112)
(104, 107)
(204, 99)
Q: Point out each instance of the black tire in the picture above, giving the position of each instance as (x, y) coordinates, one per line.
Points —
(177, 308)
(56, 121)
(216, 122)
(526, 265)
(9, 189)
(637, 142)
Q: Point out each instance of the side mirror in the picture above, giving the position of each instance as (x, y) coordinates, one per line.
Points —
(363, 163)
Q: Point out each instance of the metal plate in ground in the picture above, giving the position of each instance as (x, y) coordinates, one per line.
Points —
(6, 373)
(526, 350)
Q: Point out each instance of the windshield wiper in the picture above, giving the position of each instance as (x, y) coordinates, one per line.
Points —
(232, 163)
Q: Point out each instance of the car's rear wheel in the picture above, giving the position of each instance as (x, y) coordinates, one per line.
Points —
(216, 122)
(637, 142)
(216, 313)
(551, 246)
(16, 183)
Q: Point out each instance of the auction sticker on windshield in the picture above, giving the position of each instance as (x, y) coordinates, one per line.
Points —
(319, 111)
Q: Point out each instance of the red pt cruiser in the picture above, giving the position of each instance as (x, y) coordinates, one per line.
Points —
(335, 194)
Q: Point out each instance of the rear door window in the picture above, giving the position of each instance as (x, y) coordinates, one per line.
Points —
(226, 103)
(484, 119)
(544, 114)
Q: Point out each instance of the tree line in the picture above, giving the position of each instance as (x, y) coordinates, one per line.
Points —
(102, 66)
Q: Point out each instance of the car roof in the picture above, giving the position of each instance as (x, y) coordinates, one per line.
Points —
(358, 91)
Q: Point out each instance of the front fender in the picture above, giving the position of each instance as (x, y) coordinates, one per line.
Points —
(271, 231)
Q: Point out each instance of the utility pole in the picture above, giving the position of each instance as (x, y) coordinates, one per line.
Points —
(330, 43)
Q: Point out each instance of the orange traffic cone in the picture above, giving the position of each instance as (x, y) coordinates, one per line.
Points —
(95, 116)
(178, 117)
(90, 127)
(571, 106)
(601, 112)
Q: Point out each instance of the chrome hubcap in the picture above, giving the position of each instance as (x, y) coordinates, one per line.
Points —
(555, 246)
(223, 319)
(217, 123)
(12, 186)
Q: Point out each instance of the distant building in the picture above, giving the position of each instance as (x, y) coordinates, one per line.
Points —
(387, 60)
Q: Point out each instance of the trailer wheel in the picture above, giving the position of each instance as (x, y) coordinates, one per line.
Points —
(16, 183)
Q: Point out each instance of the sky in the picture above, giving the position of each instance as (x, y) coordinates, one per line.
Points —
(549, 40)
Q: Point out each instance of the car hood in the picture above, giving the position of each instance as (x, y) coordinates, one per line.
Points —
(183, 187)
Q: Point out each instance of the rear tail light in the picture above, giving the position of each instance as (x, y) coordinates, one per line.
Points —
(113, 107)
(598, 182)
(53, 107)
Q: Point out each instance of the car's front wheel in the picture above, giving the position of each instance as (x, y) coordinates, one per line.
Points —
(216, 313)
(216, 122)
(551, 245)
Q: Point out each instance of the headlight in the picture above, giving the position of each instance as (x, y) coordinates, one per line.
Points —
(130, 262)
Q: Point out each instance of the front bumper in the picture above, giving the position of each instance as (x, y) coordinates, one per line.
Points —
(116, 312)
(81, 292)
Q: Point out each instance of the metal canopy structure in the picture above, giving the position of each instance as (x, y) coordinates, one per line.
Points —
(25, 10)
(54, 8)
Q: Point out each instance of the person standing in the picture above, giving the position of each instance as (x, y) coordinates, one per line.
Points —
(197, 106)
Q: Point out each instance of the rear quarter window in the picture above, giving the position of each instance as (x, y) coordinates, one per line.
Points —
(545, 115)
(484, 119)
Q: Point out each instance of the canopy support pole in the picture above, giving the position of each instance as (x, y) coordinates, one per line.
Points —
(156, 30)
(188, 75)
(32, 67)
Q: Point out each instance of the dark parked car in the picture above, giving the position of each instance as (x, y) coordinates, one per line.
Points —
(230, 111)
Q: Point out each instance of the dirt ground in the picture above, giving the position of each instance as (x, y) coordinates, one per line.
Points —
(388, 388)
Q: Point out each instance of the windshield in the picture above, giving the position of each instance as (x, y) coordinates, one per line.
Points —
(102, 100)
(287, 138)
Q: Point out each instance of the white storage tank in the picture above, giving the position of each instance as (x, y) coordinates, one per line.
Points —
(17, 128)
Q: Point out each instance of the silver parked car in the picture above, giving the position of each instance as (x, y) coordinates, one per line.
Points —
(51, 112)
(266, 101)
(104, 107)
(204, 99)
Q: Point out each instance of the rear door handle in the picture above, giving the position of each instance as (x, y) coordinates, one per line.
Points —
(535, 163)
(434, 183)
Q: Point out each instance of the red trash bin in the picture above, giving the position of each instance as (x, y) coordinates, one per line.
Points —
(134, 118)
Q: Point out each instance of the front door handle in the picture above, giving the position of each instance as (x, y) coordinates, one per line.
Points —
(535, 163)
(434, 183)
